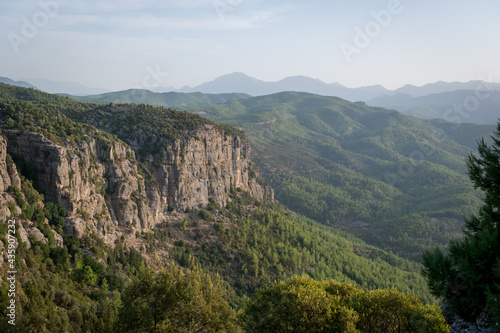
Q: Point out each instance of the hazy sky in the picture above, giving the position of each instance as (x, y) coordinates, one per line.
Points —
(123, 43)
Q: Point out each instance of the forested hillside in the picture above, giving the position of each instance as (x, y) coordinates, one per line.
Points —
(170, 99)
(104, 196)
(396, 181)
(453, 106)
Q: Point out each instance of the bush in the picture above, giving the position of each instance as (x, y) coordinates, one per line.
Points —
(389, 311)
(55, 214)
(184, 301)
(204, 215)
(28, 212)
(306, 305)
(12, 208)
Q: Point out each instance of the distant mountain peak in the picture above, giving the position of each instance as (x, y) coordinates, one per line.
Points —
(235, 76)
(301, 78)
(23, 84)
(65, 87)
(238, 82)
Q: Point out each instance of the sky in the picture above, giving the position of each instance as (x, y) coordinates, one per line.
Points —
(121, 44)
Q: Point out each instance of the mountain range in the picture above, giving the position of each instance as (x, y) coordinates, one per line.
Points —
(23, 84)
(242, 83)
(397, 182)
(64, 87)
(435, 100)
(481, 107)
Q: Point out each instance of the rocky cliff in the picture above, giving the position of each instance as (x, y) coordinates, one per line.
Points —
(8, 177)
(105, 190)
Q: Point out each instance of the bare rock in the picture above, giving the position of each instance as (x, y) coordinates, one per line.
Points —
(58, 240)
(32, 230)
(104, 192)
(458, 325)
(75, 226)
(23, 234)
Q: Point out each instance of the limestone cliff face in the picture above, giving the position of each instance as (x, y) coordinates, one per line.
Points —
(206, 164)
(105, 190)
(8, 177)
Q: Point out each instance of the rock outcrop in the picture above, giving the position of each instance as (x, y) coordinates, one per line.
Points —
(8, 177)
(458, 325)
(105, 190)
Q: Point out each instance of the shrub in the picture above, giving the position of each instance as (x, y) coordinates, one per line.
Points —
(306, 305)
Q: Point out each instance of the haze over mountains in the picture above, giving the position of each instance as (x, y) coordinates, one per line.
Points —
(57, 87)
(474, 101)
(22, 84)
(481, 107)
(242, 83)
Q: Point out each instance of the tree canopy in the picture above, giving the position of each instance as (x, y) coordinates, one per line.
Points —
(306, 305)
(176, 301)
(468, 277)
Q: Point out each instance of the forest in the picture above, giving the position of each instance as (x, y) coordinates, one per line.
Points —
(395, 181)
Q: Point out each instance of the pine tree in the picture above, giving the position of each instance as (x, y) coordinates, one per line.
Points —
(468, 277)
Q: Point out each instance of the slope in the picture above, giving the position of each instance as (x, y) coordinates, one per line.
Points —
(170, 99)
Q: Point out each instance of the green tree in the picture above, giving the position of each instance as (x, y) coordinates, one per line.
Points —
(301, 305)
(176, 301)
(306, 305)
(88, 276)
(388, 310)
(468, 278)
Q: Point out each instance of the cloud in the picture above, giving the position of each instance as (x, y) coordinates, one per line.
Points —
(157, 22)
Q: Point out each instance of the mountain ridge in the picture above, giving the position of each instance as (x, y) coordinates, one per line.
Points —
(231, 86)
(481, 107)
(64, 87)
(359, 167)
(240, 85)
(227, 82)
(22, 84)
